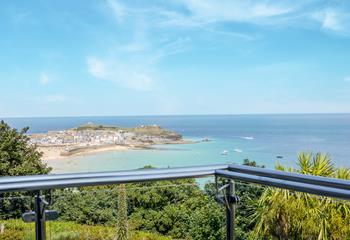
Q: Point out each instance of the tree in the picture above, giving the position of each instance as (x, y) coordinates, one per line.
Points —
(180, 208)
(17, 157)
(208, 222)
(284, 214)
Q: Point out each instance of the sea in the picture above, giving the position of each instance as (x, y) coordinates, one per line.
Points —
(266, 139)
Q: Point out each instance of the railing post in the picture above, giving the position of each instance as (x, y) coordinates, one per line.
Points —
(230, 211)
(40, 232)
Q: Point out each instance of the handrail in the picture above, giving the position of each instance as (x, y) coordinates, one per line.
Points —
(285, 184)
(296, 177)
(66, 176)
(42, 182)
(330, 187)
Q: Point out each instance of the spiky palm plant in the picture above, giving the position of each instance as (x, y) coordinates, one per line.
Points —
(285, 214)
(122, 223)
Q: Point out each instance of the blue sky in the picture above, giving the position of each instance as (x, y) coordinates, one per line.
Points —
(78, 58)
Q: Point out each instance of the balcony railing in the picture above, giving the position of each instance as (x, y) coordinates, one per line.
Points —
(322, 186)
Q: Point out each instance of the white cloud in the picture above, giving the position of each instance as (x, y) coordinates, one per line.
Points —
(208, 15)
(235, 10)
(132, 62)
(141, 18)
(211, 11)
(333, 20)
(171, 47)
(44, 78)
(97, 68)
(130, 75)
(330, 21)
(264, 10)
(118, 10)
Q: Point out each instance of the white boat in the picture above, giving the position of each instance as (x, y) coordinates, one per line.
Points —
(225, 152)
(237, 150)
(248, 138)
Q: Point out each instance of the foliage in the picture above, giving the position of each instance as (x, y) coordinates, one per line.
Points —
(87, 205)
(164, 207)
(249, 194)
(147, 236)
(283, 214)
(122, 220)
(178, 208)
(17, 157)
(167, 207)
(58, 230)
(152, 130)
(208, 223)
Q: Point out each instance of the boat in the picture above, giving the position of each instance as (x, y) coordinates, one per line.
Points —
(237, 150)
(225, 152)
(248, 138)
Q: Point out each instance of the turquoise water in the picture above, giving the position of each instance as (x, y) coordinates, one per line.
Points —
(259, 137)
(162, 156)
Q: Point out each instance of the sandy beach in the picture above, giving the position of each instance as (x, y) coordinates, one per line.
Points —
(55, 153)
(59, 152)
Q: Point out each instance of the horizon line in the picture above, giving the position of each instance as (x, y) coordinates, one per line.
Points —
(180, 115)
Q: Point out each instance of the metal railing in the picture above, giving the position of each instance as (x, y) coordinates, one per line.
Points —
(322, 186)
(43, 182)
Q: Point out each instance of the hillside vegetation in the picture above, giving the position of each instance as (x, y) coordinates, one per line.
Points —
(151, 130)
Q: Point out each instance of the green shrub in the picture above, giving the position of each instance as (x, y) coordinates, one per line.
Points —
(148, 236)
(12, 235)
(66, 236)
(16, 229)
(17, 157)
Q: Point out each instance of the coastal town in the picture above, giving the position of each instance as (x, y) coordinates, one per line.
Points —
(92, 137)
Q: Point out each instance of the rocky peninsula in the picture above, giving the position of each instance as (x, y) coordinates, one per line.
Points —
(91, 138)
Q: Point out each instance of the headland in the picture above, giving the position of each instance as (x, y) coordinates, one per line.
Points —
(92, 138)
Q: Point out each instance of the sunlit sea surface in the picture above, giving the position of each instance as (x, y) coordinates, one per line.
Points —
(257, 137)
